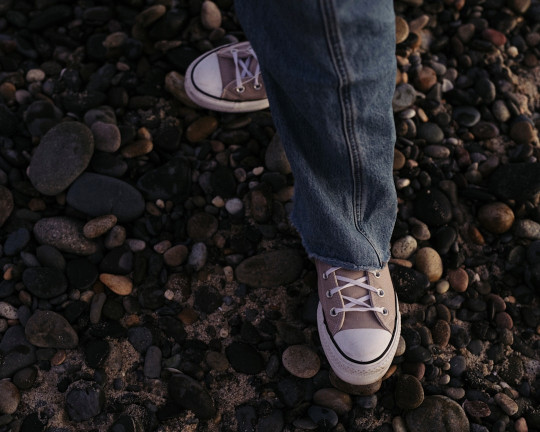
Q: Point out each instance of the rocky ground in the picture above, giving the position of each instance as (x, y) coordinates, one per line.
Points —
(153, 282)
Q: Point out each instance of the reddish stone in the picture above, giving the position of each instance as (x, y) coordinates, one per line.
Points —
(494, 36)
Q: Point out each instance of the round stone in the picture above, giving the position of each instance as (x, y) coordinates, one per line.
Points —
(402, 29)
(107, 136)
(99, 226)
(175, 255)
(301, 361)
(201, 129)
(9, 397)
(441, 333)
(270, 269)
(508, 405)
(84, 401)
(210, 15)
(404, 97)
(429, 262)
(404, 247)
(334, 399)
(432, 133)
(47, 329)
(244, 358)
(496, 217)
(425, 79)
(437, 413)
(476, 408)
(458, 279)
(121, 285)
(409, 392)
(202, 226)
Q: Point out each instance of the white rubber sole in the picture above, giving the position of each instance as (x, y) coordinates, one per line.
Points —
(215, 104)
(352, 372)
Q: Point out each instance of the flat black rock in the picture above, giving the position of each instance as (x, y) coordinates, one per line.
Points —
(84, 402)
(409, 284)
(191, 395)
(244, 358)
(47, 329)
(44, 282)
(98, 195)
(168, 182)
(519, 181)
(433, 207)
(16, 351)
(81, 273)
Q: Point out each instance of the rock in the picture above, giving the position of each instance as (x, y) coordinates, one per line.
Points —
(410, 285)
(441, 333)
(62, 155)
(399, 160)
(528, 229)
(190, 395)
(433, 207)
(458, 279)
(409, 393)
(323, 417)
(494, 36)
(466, 116)
(99, 226)
(429, 262)
(8, 121)
(425, 79)
(6, 204)
(334, 399)
(402, 30)
(84, 402)
(519, 181)
(496, 217)
(64, 234)
(98, 195)
(18, 353)
(207, 299)
(301, 361)
(477, 408)
(121, 285)
(244, 359)
(201, 129)
(44, 282)
(197, 257)
(270, 269)
(210, 15)
(47, 329)
(152, 362)
(201, 226)
(431, 132)
(437, 413)
(96, 353)
(404, 247)
(9, 397)
(506, 404)
(275, 158)
(170, 181)
(404, 97)
(16, 241)
(175, 255)
(107, 136)
(8, 311)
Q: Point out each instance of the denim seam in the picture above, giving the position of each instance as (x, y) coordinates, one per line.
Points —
(335, 48)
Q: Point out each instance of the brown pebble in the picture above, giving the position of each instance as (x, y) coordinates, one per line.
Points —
(175, 256)
(132, 320)
(476, 408)
(188, 316)
(10, 397)
(357, 390)
(504, 320)
(475, 235)
(201, 129)
(417, 370)
(496, 217)
(334, 399)
(458, 279)
(522, 132)
(401, 262)
(520, 425)
(498, 302)
(37, 204)
(429, 262)
(138, 148)
(121, 285)
(409, 393)
(391, 371)
(425, 79)
(210, 15)
(494, 36)
(99, 226)
(201, 226)
(402, 30)
(399, 160)
(162, 246)
(444, 313)
(301, 361)
(441, 333)
(58, 358)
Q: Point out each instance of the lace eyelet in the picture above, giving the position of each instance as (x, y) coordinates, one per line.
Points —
(333, 312)
(240, 89)
(328, 294)
(325, 276)
(385, 311)
(380, 292)
(377, 274)
(257, 86)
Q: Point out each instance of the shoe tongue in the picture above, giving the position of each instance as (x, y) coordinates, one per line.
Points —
(355, 320)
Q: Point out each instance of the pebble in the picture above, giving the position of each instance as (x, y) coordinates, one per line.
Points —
(404, 97)
(301, 361)
(152, 362)
(409, 284)
(404, 247)
(98, 226)
(170, 181)
(217, 361)
(9, 397)
(198, 256)
(45, 283)
(496, 217)
(409, 393)
(270, 269)
(528, 229)
(121, 285)
(6, 204)
(333, 399)
(433, 208)
(47, 329)
(402, 30)
(107, 137)
(202, 226)
(323, 417)
(63, 154)
(85, 401)
(244, 358)
(437, 413)
(516, 181)
(509, 406)
(176, 255)
(458, 279)
(425, 79)
(210, 15)
(201, 129)
(16, 241)
(429, 262)
(8, 311)
(275, 158)
(441, 333)
(476, 408)
(351, 389)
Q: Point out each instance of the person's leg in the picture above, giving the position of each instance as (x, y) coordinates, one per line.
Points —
(329, 70)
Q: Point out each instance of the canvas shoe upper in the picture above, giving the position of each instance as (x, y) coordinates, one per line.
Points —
(227, 79)
(359, 322)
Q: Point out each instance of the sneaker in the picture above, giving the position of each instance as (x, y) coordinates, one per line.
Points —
(227, 79)
(359, 322)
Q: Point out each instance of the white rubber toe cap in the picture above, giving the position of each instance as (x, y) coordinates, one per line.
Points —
(363, 345)
(206, 76)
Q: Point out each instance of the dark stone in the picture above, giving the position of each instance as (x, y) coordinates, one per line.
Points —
(520, 181)
(16, 352)
(41, 116)
(84, 402)
(433, 207)
(47, 329)
(81, 273)
(96, 352)
(223, 182)
(410, 285)
(244, 358)
(207, 299)
(117, 261)
(171, 181)
(271, 269)
(44, 282)
(437, 413)
(140, 337)
(246, 418)
(98, 195)
(16, 241)
(190, 395)
(8, 121)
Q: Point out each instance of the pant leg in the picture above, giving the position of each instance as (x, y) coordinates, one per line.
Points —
(329, 71)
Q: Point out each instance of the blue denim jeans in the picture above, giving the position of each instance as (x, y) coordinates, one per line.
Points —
(329, 70)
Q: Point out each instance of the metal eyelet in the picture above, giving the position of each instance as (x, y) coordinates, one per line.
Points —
(240, 89)
(333, 312)
(325, 276)
(380, 292)
(385, 311)
(328, 294)
(257, 86)
(377, 274)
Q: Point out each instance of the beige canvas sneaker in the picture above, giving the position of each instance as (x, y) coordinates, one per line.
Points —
(359, 322)
(227, 79)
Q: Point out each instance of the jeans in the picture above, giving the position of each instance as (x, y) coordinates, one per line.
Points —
(329, 71)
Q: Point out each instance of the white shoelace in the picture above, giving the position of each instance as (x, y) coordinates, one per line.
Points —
(355, 304)
(241, 67)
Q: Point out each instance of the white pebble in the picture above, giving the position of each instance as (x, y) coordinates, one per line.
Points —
(198, 256)
(35, 75)
(258, 171)
(136, 245)
(8, 311)
(234, 206)
(229, 273)
(218, 202)
(168, 294)
(442, 286)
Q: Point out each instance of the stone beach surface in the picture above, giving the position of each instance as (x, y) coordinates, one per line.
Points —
(152, 281)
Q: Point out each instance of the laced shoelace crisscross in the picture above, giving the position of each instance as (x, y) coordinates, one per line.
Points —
(241, 68)
(355, 304)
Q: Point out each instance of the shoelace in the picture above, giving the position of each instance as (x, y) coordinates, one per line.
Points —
(355, 304)
(244, 64)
